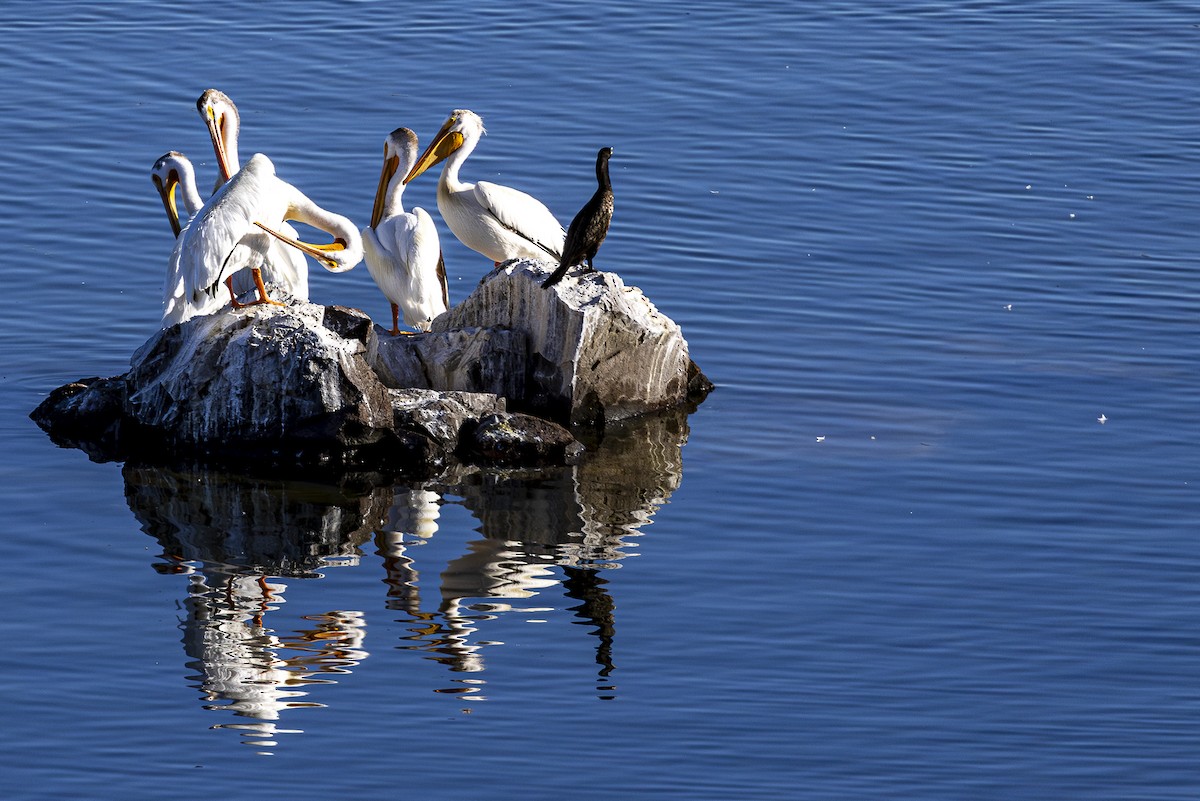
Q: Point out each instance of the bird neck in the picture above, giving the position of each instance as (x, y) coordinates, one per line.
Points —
(602, 174)
(393, 202)
(229, 149)
(301, 209)
(189, 194)
(454, 161)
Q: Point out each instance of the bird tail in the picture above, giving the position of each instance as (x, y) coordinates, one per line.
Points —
(555, 276)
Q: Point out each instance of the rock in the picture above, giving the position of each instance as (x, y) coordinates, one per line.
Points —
(85, 414)
(432, 424)
(273, 386)
(520, 439)
(270, 377)
(587, 351)
(303, 384)
(469, 360)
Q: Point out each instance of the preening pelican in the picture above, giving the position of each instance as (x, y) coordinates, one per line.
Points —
(590, 225)
(401, 248)
(497, 221)
(285, 265)
(173, 174)
(223, 238)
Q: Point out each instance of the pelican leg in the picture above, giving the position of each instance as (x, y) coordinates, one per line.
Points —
(263, 297)
(396, 322)
(233, 295)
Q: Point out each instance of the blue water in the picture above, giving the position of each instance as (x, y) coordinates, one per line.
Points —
(933, 537)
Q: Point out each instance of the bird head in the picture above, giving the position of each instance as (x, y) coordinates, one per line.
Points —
(221, 116)
(461, 127)
(399, 154)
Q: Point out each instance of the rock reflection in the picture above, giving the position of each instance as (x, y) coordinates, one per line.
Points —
(229, 534)
(575, 520)
(544, 539)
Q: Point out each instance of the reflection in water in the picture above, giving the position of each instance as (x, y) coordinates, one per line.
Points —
(577, 519)
(229, 535)
(239, 540)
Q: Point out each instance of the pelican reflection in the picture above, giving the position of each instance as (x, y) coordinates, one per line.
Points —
(239, 540)
(463, 558)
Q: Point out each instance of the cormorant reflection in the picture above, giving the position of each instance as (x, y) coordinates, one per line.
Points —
(574, 520)
(231, 534)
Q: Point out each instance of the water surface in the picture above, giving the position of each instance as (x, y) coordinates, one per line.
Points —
(933, 537)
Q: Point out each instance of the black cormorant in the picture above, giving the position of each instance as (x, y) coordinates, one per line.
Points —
(590, 225)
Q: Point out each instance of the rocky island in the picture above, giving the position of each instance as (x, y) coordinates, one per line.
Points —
(511, 376)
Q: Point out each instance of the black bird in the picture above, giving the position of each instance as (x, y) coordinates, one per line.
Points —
(590, 225)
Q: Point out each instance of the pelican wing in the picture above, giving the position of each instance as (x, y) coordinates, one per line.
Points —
(211, 250)
(522, 214)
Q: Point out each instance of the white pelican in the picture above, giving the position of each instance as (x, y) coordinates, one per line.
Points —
(173, 173)
(222, 239)
(285, 265)
(497, 221)
(401, 249)
(224, 123)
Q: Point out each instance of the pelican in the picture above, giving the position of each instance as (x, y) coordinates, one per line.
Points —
(171, 173)
(174, 174)
(221, 239)
(224, 123)
(590, 226)
(401, 248)
(497, 221)
(285, 265)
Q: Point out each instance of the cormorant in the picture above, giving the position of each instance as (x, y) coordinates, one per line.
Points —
(590, 225)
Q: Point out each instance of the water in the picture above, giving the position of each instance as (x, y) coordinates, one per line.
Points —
(922, 249)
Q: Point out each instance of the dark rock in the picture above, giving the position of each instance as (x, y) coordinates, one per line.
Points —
(520, 439)
(347, 323)
(85, 414)
(698, 386)
(431, 423)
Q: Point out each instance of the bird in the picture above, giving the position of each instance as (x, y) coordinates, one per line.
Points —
(173, 173)
(587, 231)
(498, 221)
(285, 265)
(402, 249)
(224, 124)
(221, 239)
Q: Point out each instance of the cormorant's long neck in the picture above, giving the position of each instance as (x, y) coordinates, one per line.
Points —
(602, 174)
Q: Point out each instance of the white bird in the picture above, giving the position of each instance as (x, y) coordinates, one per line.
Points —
(173, 174)
(401, 249)
(224, 124)
(223, 239)
(497, 221)
(285, 265)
